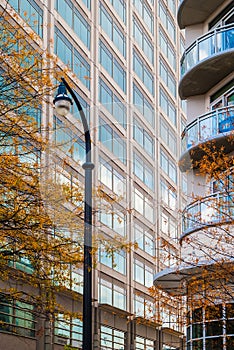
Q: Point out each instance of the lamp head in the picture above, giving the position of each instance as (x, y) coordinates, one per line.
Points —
(62, 101)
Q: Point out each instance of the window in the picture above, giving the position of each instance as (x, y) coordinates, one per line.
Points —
(146, 13)
(74, 19)
(168, 166)
(167, 21)
(144, 238)
(113, 218)
(112, 103)
(143, 105)
(143, 273)
(68, 142)
(112, 294)
(112, 338)
(168, 136)
(85, 107)
(112, 30)
(143, 138)
(144, 343)
(120, 8)
(143, 170)
(167, 49)
(143, 307)
(112, 66)
(71, 57)
(87, 3)
(143, 205)
(111, 178)
(116, 260)
(167, 77)
(168, 225)
(167, 106)
(17, 317)
(172, 6)
(143, 40)
(168, 254)
(168, 195)
(31, 13)
(69, 329)
(143, 72)
(184, 184)
(112, 141)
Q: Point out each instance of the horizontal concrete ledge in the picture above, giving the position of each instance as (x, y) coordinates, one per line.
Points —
(206, 74)
(195, 11)
(194, 154)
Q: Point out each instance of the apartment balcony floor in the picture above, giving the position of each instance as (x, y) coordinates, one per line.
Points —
(207, 61)
(195, 11)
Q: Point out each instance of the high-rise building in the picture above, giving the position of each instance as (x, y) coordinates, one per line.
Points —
(207, 83)
(125, 57)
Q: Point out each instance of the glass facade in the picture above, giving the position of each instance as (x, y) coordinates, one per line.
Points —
(120, 58)
(211, 327)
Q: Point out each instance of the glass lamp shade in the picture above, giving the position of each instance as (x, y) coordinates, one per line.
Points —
(62, 107)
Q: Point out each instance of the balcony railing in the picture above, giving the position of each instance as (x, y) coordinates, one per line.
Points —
(212, 210)
(214, 42)
(208, 126)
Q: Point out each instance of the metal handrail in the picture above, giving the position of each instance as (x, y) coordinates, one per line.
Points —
(222, 39)
(208, 125)
(192, 222)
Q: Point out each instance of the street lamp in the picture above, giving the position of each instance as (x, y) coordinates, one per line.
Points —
(62, 103)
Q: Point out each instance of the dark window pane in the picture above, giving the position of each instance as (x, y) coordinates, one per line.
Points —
(197, 330)
(230, 343)
(213, 312)
(230, 327)
(197, 345)
(230, 310)
(214, 328)
(214, 344)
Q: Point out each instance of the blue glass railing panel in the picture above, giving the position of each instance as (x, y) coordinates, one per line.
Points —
(211, 210)
(214, 42)
(208, 126)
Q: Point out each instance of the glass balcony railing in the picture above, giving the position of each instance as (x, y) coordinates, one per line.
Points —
(214, 42)
(207, 126)
(212, 210)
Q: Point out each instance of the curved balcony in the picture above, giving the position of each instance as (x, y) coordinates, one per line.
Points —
(207, 61)
(215, 125)
(195, 11)
(209, 211)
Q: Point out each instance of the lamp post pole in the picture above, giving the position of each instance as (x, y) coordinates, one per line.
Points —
(88, 167)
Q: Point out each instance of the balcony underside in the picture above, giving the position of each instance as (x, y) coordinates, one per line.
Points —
(174, 280)
(195, 154)
(206, 74)
(196, 11)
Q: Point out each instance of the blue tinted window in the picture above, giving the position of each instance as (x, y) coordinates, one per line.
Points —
(167, 49)
(167, 21)
(143, 105)
(143, 40)
(112, 141)
(167, 106)
(112, 103)
(167, 77)
(112, 30)
(120, 8)
(74, 18)
(30, 12)
(143, 72)
(110, 63)
(143, 138)
(146, 14)
(70, 56)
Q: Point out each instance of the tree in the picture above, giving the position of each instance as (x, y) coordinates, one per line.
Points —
(41, 218)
